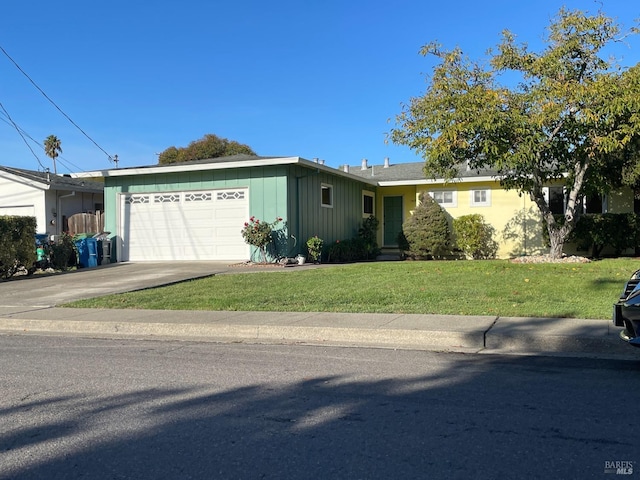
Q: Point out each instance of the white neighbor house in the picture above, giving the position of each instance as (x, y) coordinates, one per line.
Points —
(50, 198)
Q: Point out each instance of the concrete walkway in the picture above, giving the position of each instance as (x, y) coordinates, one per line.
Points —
(28, 307)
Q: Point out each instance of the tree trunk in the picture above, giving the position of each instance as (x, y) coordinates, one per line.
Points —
(558, 234)
(556, 238)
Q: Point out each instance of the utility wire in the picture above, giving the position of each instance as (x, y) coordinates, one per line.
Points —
(54, 104)
(20, 133)
(64, 161)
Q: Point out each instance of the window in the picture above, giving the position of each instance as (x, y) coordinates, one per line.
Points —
(367, 204)
(555, 199)
(326, 196)
(593, 204)
(447, 198)
(481, 198)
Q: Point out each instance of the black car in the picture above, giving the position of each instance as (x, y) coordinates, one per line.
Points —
(626, 311)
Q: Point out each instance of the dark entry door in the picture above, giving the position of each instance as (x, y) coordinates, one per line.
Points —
(392, 211)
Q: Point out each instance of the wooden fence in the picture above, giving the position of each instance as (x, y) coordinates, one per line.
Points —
(86, 223)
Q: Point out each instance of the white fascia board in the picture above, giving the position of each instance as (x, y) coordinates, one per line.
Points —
(177, 167)
(220, 166)
(430, 181)
(25, 181)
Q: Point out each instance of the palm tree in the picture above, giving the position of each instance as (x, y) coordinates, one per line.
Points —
(52, 147)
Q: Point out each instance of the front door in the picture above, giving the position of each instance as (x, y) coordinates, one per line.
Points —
(392, 217)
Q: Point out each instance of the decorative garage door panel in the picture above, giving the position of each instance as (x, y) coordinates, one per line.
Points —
(201, 225)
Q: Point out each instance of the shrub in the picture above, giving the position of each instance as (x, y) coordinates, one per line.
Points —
(595, 231)
(64, 253)
(259, 234)
(368, 232)
(475, 237)
(351, 250)
(17, 244)
(314, 247)
(427, 230)
(362, 247)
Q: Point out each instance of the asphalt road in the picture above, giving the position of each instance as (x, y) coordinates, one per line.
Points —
(121, 409)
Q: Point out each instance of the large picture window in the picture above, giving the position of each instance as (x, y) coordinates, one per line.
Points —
(555, 199)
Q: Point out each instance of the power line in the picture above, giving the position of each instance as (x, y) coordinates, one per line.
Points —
(54, 104)
(20, 133)
(64, 161)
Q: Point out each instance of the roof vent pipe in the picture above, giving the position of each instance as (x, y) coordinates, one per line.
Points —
(315, 160)
(364, 164)
(345, 168)
(321, 161)
(386, 162)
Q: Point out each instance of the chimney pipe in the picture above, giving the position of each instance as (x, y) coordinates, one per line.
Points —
(315, 159)
(321, 161)
(386, 162)
(345, 168)
(364, 164)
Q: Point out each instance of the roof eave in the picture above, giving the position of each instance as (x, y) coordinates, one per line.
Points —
(179, 167)
(260, 162)
(431, 181)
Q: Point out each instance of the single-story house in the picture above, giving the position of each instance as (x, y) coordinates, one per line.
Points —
(196, 210)
(515, 218)
(50, 198)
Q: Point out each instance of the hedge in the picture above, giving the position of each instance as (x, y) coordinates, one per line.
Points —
(17, 244)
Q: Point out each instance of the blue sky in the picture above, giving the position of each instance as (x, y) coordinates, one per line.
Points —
(289, 78)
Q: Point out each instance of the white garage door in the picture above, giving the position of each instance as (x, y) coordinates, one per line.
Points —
(193, 225)
(19, 210)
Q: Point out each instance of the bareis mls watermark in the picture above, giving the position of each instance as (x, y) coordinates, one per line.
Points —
(619, 467)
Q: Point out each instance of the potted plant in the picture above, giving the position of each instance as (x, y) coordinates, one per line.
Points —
(314, 247)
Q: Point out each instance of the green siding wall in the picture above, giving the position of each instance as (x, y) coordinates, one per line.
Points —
(267, 188)
(308, 217)
(292, 192)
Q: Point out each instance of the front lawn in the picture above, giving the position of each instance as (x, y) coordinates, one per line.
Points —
(497, 287)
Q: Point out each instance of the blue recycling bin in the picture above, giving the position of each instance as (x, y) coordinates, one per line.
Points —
(87, 252)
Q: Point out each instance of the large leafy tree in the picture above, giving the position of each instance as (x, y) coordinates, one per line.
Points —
(53, 148)
(565, 114)
(210, 146)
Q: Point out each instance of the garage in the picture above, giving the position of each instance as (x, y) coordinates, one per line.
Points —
(184, 225)
(18, 210)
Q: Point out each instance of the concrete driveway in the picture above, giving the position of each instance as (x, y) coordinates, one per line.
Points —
(44, 290)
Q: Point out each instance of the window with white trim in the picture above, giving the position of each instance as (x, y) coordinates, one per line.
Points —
(368, 202)
(480, 198)
(326, 195)
(446, 198)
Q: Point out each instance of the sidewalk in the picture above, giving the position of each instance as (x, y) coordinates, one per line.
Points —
(468, 334)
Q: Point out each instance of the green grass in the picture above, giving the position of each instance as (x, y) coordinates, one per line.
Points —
(463, 287)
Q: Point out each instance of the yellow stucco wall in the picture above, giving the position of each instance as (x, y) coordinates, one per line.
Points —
(518, 227)
(517, 224)
(516, 220)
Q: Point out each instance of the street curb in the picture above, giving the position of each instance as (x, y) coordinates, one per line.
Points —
(491, 341)
(314, 335)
